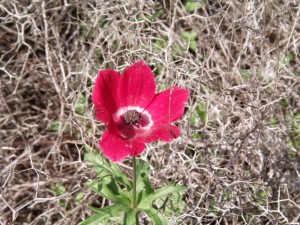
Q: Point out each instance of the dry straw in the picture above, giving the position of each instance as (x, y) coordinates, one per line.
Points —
(239, 152)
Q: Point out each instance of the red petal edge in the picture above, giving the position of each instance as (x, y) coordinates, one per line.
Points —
(117, 149)
(168, 106)
(165, 133)
(105, 96)
(137, 85)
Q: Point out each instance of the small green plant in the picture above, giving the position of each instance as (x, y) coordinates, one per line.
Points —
(294, 133)
(245, 74)
(193, 5)
(55, 126)
(113, 185)
(189, 37)
(161, 43)
(59, 190)
(199, 115)
(79, 198)
(80, 105)
(285, 59)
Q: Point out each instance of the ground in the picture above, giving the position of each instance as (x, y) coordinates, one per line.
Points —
(239, 149)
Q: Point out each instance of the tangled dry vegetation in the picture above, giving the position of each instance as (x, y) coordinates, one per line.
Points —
(239, 152)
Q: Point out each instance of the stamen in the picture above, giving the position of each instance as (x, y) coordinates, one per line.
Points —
(132, 117)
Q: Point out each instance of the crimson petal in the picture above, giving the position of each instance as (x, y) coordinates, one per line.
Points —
(165, 132)
(117, 149)
(105, 97)
(136, 148)
(137, 85)
(168, 106)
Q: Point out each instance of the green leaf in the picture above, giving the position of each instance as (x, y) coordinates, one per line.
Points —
(284, 102)
(55, 126)
(192, 5)
(110, 193)
(93, 220)
(286, 58)
(112, 210)
(142, 174)
(161, 43)
(144, 187)
(120, 176)
(104, 214)
(245, 74)
(197, 135)
(166, 190)
(172, 205)
(148, 187)
(189, 37)
(226, 195)
(200, 114)
(106, 168)
(80, 105)
(58, 189)
(146, 202)
(99, 52)
(130, 217)
(273, 121)
(156, 217)
(79, 198)
(201, 111)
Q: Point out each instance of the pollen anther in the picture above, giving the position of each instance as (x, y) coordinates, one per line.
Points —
(132, 117)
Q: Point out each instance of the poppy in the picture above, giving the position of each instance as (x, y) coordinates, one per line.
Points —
(133, 113)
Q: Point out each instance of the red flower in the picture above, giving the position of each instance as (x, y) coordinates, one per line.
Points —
(134, 114)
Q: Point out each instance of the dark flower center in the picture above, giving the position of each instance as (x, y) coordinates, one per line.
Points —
(132, 117)
(133, 123)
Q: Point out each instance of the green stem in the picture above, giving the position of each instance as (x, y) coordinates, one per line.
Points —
(134, 182)
(134, 203)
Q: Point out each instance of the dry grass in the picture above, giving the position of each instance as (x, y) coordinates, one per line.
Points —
(239, 155)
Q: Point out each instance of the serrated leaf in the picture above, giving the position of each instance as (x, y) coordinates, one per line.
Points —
(156, 217)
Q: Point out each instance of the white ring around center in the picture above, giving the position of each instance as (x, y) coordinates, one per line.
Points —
(123, 110)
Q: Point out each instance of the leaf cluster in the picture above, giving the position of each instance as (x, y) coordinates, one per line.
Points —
(113, 185)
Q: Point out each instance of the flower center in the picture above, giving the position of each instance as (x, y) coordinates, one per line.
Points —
(132, 121)
(132, 117)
